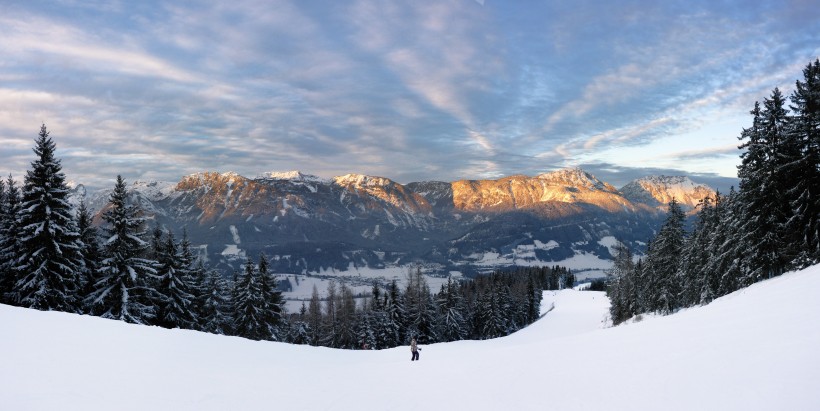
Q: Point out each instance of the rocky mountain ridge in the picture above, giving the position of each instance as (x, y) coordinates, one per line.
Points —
(308, 224)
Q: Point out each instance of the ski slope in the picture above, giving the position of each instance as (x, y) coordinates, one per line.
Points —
(757, 349)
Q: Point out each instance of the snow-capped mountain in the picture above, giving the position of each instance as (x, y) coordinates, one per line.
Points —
(658, 191)
(307, 224)
(294, 175)
(572, 186)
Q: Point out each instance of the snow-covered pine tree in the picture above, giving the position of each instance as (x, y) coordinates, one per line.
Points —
(695, 287)
(273, 307)
(49, 262)
(726, 245)
(189, 264)
(453, 326)
(299, 332)
(249, 305)
(366, 330)
(709, 279)
(347, 336)
(396, 312)
(804, 194)
(90, 251)
(9, 240)
(765, 209)
(213, 302)
(378, 321)
(420, 308)
(5, 277)
(175, 294)
(664, 259)
(621, 285)
(493, 323)
(123, 291)
(535, 294)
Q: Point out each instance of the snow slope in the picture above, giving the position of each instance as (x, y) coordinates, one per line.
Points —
(756, 349)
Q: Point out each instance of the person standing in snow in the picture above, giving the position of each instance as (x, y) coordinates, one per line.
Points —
(414, 349)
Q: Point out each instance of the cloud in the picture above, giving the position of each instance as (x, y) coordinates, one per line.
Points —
(443, 90)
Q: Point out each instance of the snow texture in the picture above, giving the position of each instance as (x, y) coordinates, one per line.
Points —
(755, 349)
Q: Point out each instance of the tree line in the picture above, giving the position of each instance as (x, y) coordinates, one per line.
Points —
(770, 225)
(489, 306)
(52, 257)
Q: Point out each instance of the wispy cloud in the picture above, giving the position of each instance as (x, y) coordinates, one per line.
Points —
(431, 90)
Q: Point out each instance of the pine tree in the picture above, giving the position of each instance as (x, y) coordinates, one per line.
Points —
(366, 330)
(50, 260)
(726, 246)
(420, 308)
(272, 297)
(695, 285)
(249, 305)
(175, 293)
(664, 260)
(90, 251)
(124, 290)
(451, 307)
(804, 195)
(347, 336)
(396, 312)
(534, 294)
(765, 209)
(213, 302)
(299, 331)
(9, 240)
(621, 285)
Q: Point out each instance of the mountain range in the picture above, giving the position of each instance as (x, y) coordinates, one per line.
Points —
(306, 224)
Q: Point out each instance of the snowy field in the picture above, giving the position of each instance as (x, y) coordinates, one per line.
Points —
(756, 349)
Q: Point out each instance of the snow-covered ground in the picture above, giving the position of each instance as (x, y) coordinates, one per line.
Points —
(756, 349)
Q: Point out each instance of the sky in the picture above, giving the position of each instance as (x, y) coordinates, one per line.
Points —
(412, 91)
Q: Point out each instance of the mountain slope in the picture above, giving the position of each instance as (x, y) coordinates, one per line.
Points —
(658, 191)
(755, 349)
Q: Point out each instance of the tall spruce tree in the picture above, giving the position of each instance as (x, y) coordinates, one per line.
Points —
(347, 336)
(90, 251)
(621, 285)
(249, 305)
(453, 326)
(9, 240)
(396, 312)
(765, 209)
(5, 278)
(213, 311)
(696, 286)
(175, 292)
(273, 303)
(50, 262)
(804, 195)
(124, 290)
(420, 308)
(664, 260)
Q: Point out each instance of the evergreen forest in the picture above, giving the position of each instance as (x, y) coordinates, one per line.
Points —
(768, 226)
(54, 257)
